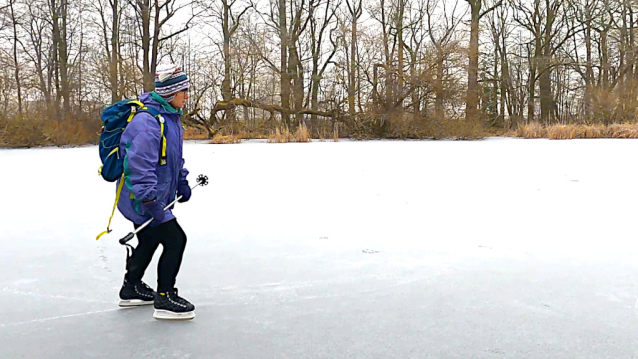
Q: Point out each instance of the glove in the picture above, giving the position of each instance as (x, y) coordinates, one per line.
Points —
(183, 190)
(156, 210)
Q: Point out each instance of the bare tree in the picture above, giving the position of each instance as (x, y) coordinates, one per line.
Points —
(159, 13)
(472, 98)
(59, 12)
(355, 10)
(441, 37)
(15, 41)
(318, 26)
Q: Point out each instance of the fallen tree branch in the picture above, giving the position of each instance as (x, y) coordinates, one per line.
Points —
(226, 105)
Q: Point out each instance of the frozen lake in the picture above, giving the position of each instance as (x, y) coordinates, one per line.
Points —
(502, 248)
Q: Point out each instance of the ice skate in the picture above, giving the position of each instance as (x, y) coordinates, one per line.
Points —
(171, 306)
(132, 295)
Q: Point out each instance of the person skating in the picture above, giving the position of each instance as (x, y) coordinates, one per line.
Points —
(153, 179)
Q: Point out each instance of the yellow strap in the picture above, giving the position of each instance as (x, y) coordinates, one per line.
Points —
(115, 150)
(163, 159)
(135, 102)
(163, 146)
(133, 111)
(117, 198)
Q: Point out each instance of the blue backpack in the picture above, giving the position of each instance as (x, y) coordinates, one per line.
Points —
(115, 118)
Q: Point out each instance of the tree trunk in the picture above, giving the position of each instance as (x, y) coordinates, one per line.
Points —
(589, 71)
(227, 93)
(400, 90)
(64, 59)
(604, 60)
(314, 77)
(497, 113)
(115, 86)
(16, 65)
(148, 78)
(531, 90)
(284, 77)
(388, 60)
(631, 46)
(296, 72)
(545, 77)
(506, 83)
(314, 95)
(36, 35)
(416, 103)
(622, 54)
(155, 44)
(472, 98)
(545, 88)
(55, 55)
(438, 84)
(353, 59)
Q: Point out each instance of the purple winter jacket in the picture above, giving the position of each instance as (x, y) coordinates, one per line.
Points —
(144, 178)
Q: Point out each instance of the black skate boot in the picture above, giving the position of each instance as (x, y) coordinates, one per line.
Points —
(169, 305)
(132, 295)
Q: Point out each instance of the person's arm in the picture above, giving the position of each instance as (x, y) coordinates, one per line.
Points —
(183, 172)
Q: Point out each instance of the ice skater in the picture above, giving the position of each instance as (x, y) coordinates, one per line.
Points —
(154, 175)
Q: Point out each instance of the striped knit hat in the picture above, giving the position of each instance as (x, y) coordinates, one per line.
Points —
(170, 79)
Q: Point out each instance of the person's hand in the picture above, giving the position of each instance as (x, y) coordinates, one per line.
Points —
(183, 190)
(156, 210)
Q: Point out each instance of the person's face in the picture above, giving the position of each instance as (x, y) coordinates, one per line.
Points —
(180, 99)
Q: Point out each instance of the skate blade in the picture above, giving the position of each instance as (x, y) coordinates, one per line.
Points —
(134, 302)
(168, 315)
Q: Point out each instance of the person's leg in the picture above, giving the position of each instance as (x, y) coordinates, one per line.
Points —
(174, 242)
(168, 304)
(134, 292)
(148, 240)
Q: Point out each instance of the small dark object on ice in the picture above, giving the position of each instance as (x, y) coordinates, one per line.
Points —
(369, 251)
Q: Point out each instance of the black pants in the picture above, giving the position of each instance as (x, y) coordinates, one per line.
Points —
(171, 236)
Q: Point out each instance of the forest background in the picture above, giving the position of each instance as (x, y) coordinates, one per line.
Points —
(292, 70)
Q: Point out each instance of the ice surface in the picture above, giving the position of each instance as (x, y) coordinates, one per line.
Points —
(501, 248)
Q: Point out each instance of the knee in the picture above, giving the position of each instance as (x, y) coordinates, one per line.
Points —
(180, 240)
(176, 238)
(183, 239)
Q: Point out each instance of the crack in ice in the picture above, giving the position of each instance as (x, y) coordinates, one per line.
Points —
(42, 320)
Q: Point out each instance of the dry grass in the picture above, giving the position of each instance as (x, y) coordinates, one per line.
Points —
(69, 133)
(302, 134)
(568, 132)
(30, 131)
(460, 130)
(220, 139)
(402, 126)
(622, 131)
(284, 136)
(591, 131)
(37, 129)
(532, 130)
(280, 136)
(194, 133)
(561, 132)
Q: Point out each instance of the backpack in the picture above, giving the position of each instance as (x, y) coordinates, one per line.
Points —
(115, 118)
